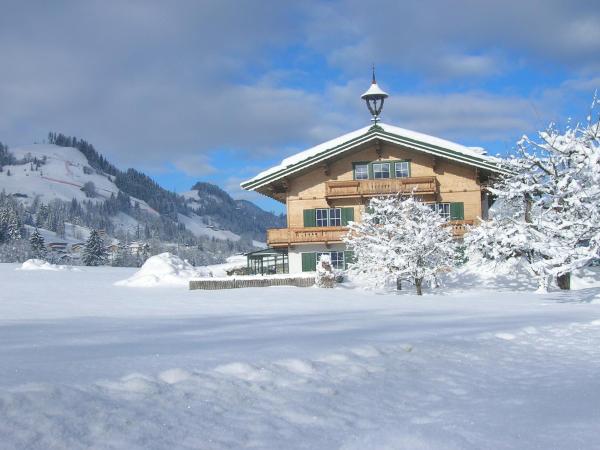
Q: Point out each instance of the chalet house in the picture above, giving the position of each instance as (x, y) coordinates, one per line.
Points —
(329, 185)
(77, 247)
(57, 246)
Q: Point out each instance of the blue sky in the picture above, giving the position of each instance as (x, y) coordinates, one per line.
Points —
(218, 91)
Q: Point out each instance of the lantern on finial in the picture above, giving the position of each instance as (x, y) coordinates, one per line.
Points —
(374, 98)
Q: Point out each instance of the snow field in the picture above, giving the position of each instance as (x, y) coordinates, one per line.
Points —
(458, 395)
(167, 269)
(40, 264)
(87, 364)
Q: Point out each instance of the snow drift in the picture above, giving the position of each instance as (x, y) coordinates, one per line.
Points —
(165, 269)
(40, 264)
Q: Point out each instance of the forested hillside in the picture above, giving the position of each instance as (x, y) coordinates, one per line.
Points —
(67, 185)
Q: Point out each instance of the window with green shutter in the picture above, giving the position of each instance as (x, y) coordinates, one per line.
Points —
(309, 262)
(348, 258)
(457, 211)
(310, 218)
(347, 216)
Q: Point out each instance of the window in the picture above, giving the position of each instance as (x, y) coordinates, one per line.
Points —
(329, 217)
(402, 169)
(322, 217)
(443, 210)
(381, 170)
(335, 217)
(432, 206)
(337, 259)
(361, 172)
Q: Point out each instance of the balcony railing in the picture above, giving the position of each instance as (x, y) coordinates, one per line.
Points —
(370, 188)
(459, 227)
(282, 237)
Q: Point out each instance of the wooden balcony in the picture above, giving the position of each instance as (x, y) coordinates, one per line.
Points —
(283, 237)
(371, 188)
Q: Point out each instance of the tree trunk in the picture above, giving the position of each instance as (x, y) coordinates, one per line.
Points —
(398, 284)
(564, 281)
(419, 285)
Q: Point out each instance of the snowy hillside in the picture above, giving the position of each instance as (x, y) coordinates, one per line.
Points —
(42, 173)
(60, 177)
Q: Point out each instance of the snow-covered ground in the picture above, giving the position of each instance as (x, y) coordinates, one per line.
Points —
(88, 364)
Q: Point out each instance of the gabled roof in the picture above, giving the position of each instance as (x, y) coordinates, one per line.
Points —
(473, 156)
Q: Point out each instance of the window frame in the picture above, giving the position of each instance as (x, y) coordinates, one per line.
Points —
(399, 164)
(332, 215)
(335, 217)
(364, 164)
(440, 207)
(371, 166)
(339, 264)
(382, 163)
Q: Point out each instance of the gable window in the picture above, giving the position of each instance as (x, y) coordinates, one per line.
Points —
(402, 169)
(361, 171)
(381, 170)
(329, 217)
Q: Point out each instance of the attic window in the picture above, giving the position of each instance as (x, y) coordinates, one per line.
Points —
(361, 171)
(402, 169)
(381, 170)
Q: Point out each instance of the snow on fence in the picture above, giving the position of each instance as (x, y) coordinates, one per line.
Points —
(235, 283)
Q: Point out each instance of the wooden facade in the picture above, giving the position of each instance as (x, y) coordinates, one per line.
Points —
(347, 180)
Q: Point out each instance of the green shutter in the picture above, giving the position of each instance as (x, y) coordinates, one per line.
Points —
(348, 258)
(310, 218)
(347, 216)
(309, 262)
(457, 211)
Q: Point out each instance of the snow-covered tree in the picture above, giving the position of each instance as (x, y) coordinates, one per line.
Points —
(548, 213)
(144, 253)
(325, 277)
(400, 239)
(94, 253)
(38, 246)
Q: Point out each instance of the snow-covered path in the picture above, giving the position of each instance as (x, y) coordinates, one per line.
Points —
(85, 364)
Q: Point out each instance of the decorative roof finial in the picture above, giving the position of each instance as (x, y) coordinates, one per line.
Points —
(374, 97)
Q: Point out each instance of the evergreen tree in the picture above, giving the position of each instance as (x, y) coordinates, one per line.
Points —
(94, 253)
(38, 246)
(14, 228)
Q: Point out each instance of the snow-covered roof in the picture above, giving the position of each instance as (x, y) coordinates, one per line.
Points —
(374, 89)
(475, 156)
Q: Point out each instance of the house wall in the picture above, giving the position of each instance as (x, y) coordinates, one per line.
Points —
(457, 182)
(295, 254)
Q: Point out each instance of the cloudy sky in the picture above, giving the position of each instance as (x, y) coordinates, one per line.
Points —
(219, 90)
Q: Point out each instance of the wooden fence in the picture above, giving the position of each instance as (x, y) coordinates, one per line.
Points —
(235, 283)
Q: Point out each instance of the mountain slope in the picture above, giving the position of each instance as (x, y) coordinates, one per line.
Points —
(70, 169)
